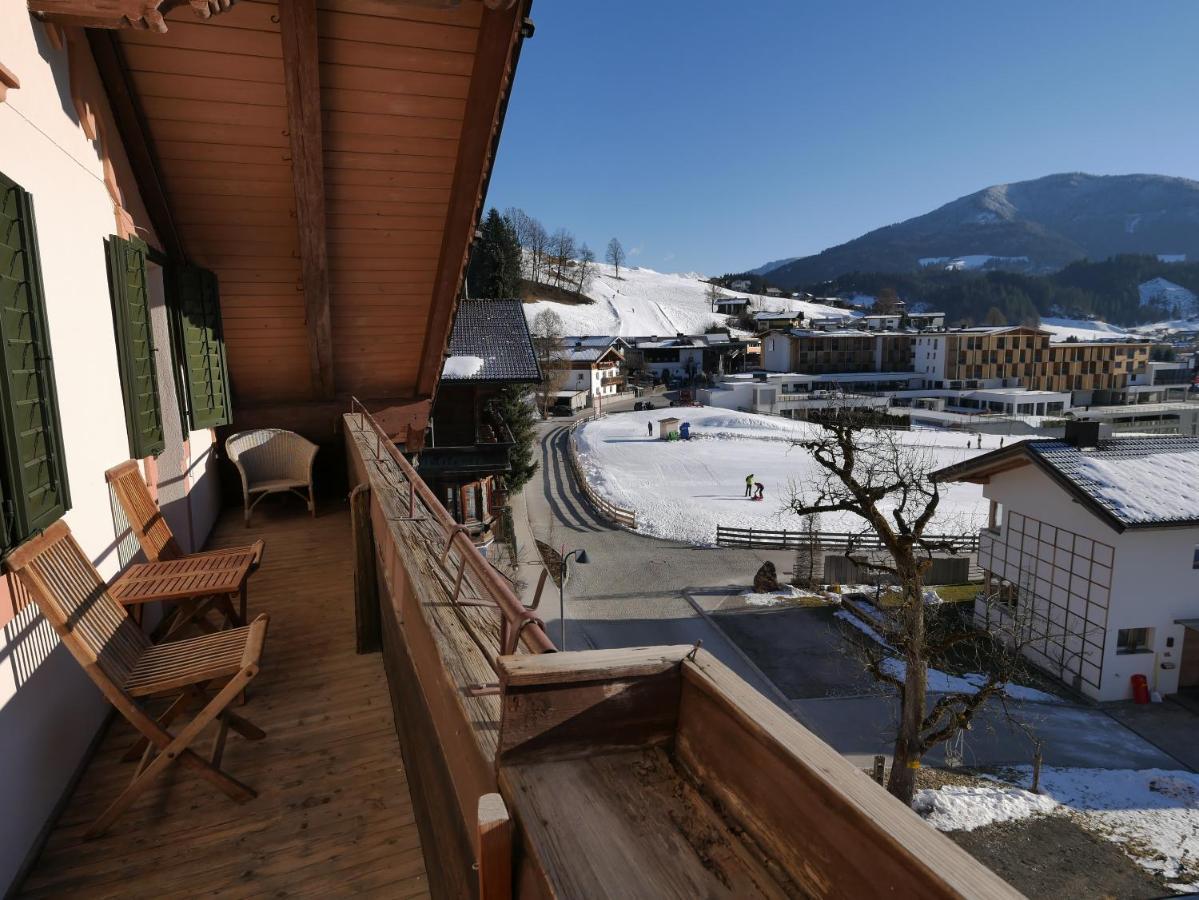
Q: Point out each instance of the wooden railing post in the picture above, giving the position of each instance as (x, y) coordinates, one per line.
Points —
(495, 849)
(367, 625)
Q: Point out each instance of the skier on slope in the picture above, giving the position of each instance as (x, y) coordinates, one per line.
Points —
(749, 485)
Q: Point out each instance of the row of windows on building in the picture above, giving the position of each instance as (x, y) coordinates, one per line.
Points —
(33, 478)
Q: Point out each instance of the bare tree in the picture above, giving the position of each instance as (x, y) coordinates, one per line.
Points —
(615, 255)
(561, 252)
(871, 475)
(807, 566)
(714, 294)
(586, 270)
(538, 243)
(547, 332)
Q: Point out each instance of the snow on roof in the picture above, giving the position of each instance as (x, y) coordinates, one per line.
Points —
(461, 367)
(1140, 481)
(490, 342)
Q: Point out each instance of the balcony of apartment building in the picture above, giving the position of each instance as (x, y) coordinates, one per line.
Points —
(305, 214)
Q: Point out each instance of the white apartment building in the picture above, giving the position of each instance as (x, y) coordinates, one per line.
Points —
(598, 371)
(1093, 551)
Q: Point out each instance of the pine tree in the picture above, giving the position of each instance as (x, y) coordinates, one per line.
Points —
(495, 263)
(520, 415)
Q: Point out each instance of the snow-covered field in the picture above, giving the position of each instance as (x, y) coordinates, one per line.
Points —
(1083, 329)
(1153, 814)
(682, 489)
(644, 302)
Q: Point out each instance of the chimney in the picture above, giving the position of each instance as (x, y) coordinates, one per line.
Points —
(1083, 435)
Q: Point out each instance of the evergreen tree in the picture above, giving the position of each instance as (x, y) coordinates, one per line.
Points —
(520, 415)
(495, 262)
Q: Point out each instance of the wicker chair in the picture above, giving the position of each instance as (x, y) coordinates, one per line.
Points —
(272, 461)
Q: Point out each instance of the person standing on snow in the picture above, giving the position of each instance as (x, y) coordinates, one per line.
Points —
(649, 427)
(749, 485)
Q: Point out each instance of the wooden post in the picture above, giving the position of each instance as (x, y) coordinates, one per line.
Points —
(880, 763)
(366, 590)
(495, 849)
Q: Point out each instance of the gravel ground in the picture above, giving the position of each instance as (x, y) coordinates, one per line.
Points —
(1052, 856)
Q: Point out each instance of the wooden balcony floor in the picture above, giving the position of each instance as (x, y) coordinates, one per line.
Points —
(333, 814)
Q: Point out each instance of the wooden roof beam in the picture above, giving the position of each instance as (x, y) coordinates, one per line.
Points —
(135, 136)
(144, 15)
(495, 61)
(301, 79)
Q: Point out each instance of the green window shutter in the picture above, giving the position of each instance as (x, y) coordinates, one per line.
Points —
(34, 491)
(135, 345)
(196, 317)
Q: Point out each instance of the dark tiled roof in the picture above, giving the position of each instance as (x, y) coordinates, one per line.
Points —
(496, 332)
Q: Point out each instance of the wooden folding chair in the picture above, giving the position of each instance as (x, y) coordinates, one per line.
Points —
(129, 669)
(152, 531)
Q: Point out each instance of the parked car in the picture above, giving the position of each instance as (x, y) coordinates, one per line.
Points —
(642, 405)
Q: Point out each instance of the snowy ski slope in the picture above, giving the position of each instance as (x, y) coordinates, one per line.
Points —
(645, 302)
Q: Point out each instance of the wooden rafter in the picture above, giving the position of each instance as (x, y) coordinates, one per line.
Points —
(145, 15)
(495, 59)
(301, 68)
(135, 136)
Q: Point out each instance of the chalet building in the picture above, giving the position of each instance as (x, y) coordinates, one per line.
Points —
(220, 218)
(1092, 548)
(684, 357)
(731, 306)
(777, 319)
(467, 445)
(599, 371)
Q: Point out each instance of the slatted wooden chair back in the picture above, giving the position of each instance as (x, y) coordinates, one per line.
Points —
(72, 596)
(146, 520)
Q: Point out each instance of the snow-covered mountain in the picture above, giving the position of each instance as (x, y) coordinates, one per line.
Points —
(1035, 226)
(1168, 295)
(645, 302)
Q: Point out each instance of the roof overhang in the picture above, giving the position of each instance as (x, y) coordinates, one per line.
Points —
(327, 159)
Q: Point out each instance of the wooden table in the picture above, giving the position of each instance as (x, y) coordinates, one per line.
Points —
(195, 584)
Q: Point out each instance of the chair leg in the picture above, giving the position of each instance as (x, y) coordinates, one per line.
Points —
(174, 748)
(311, 502)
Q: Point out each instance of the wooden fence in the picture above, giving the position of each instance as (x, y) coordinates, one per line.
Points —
(766, 539)
(617, 515)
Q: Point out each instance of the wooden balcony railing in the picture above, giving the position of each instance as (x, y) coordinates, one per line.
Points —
(644, 772)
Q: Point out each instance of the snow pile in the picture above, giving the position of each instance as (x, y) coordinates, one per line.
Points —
(956, 808)
(864, 628)
(681, 490)
(786, 592)
(464, 366)
(943, 683)
(1153, 814)
(644, 302)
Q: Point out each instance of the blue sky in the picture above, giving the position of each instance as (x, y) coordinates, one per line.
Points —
(713, 136)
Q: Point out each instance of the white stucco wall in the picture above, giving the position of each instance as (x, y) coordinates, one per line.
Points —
(776, 353)
(1152, 582)
(928, 355)
(49, 711)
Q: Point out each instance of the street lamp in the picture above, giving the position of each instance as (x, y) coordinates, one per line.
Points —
(580, 557)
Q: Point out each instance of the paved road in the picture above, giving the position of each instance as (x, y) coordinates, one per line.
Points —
(634, 590)
(639, 591)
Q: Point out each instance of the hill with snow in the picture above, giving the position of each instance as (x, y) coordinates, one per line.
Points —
(644, 302)
(1034, 226)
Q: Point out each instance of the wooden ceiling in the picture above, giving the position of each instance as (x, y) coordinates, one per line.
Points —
(328, 164)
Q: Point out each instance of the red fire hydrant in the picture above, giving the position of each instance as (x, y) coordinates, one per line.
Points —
(1140, 689)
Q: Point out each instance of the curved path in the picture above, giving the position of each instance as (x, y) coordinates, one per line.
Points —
(635, 589)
